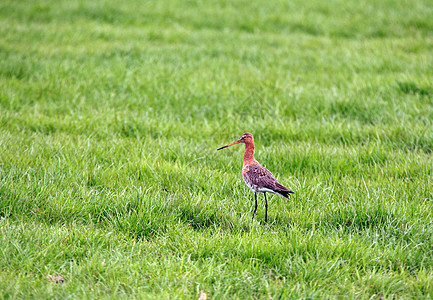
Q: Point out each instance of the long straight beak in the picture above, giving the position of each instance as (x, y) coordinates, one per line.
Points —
(234, 143)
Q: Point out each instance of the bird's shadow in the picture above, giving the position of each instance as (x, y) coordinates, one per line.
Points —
(281, 221)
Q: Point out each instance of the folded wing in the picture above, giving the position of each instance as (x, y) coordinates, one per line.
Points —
(264, 180)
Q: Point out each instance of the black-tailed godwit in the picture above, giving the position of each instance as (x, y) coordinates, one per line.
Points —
(257, 177)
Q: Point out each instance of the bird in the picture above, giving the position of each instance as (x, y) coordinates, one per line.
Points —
(258, 178)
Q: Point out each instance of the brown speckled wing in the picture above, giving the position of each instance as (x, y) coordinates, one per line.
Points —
(260, 176)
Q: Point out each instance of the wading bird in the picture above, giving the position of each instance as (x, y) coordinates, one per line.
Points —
(257, 177)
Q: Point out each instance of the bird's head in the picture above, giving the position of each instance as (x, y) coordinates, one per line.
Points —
(246, 138)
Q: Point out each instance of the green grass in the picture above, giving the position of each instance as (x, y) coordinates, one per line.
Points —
(111, 113)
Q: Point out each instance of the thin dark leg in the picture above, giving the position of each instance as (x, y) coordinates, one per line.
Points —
(255, 207)
(266, 211)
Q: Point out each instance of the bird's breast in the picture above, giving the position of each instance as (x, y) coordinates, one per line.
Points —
(247, 180)
(245, 169)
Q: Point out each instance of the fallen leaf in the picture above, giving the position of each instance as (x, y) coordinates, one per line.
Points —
(55, 278)
(202, 296)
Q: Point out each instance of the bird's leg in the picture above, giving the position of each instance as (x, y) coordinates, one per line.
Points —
(255, 207)
(266, 206)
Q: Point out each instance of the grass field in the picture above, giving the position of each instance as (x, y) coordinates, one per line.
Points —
(111, 113)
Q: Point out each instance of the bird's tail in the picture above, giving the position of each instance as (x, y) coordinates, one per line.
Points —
(285, 194)
(283, 191)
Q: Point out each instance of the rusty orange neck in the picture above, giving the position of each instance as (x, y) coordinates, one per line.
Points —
(249, 154)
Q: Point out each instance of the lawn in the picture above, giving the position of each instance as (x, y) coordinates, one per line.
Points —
(111, 113)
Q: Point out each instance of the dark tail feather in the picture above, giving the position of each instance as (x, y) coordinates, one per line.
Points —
(283, 191)
(285, 194)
